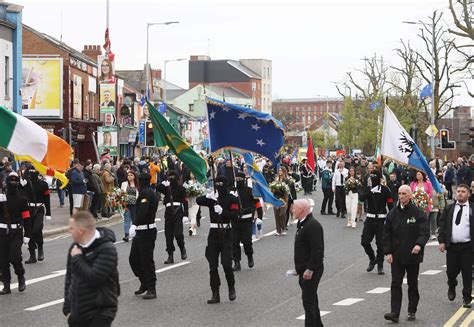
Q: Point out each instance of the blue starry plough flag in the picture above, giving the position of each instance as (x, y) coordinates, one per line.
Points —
(234, 127)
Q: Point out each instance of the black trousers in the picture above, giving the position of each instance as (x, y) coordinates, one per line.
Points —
(141, 257)
(96, 322)
(219, 246)
(398, 272)
(328, 199)
(174, 230)
(373, 227)
(307, 184)
(242, 233)
(341, 200)
(449, 188)
(309, 289)
(37, 223)
(459, 259)
(95, 204)
(10, 253)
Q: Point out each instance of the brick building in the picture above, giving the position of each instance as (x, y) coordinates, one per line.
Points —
(77, 115)
(250, 76)
(458, 127)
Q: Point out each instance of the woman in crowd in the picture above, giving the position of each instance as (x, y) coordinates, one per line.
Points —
(439, 202)
(130, 187)
(281, 191)
(421, 183)
(352, 187)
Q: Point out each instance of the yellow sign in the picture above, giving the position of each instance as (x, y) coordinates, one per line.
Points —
(434, 130)
(42, 87)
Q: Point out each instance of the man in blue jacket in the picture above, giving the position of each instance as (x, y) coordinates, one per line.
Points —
(78, 186)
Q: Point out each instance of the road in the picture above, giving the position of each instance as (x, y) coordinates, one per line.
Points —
(348, 295)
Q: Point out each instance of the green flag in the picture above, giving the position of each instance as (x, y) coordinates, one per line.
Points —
(166, 135)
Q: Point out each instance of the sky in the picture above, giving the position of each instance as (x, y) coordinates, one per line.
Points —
(312, 43)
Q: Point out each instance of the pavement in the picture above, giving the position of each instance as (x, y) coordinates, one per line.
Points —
(348, 295)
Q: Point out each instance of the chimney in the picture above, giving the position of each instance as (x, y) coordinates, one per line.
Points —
(199, 57)
(92, 51)
(156, 73)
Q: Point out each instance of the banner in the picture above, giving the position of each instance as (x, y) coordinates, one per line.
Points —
(42, 87)
(107, 138)
(106, 70)
(77, 97)
(107, 98)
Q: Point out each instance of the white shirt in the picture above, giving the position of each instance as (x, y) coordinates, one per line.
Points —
(462, 232)
(96, 236)
(336, 178)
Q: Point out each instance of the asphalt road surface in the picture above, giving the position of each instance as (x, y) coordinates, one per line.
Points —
(348, 295)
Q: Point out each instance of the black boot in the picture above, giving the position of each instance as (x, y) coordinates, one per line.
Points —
(184, 256)
(6, 289)
(141, 290)
(125, 239)
(380, 268)
(215, 298)
(21, 283)
(232, 295)
(32, 258)
(236, 266)
(40, 253)
(371, 266)
(170, 259)
(150, 294)
(251, 263)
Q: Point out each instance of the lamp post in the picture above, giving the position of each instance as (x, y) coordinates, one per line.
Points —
(433, 110)
(148, 48)
(164, 76)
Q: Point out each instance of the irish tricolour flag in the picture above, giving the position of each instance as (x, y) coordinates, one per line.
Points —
(30, 142)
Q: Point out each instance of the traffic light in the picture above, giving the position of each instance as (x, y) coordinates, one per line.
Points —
(149, 137)
(471, 136)
(446, 144)
(72, 136)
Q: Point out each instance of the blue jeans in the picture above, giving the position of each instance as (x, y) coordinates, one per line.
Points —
(61, 196)
(128, 217)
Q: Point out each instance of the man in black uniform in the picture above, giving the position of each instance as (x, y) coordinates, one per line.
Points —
(223, 209)
(378, 199)
(37, 193)
(176, 204)
(242, 228)
(143, 232)
(14, 216)
(306, 177)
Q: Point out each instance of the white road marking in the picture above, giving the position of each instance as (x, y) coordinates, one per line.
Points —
(433, 243)
(270, 233)
(348, 301)
(379, 290)
(45, 305)
(444, 266)
(158, 219)
(405, 281)
(172, 266)
(322, 313)
(431, 272)
(54, 274)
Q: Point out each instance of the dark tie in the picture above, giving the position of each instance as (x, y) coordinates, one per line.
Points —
(342, 179)
(458, 216)
(298, 225)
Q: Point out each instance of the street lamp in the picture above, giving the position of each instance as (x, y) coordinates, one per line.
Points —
(433, 49)
(164, 76)
(148, 47)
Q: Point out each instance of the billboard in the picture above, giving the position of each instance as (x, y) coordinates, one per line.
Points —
(107, 138)
(107, 98)
(106, 70)
(42, 87)
(77, 97)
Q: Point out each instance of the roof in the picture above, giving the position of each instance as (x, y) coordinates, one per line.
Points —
(307, 100)
(70, 50)
(173, 94)
(244, 69)
(230, 92)
(178, 111)
(169, 85)
(134, 78)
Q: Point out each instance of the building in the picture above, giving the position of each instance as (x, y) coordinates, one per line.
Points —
(458, 129)
(10, 58)
(250, 76)
(61, 91)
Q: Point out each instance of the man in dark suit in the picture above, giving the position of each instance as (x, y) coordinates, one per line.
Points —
(405, 234)
(309, 254)
(456, 236)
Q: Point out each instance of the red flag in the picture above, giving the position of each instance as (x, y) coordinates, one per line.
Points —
(107, 41)
(310, 155)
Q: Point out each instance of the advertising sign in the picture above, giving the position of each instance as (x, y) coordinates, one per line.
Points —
(106, 70)
(107, 138)
(77, 97)
(107, 98)
(42, 87)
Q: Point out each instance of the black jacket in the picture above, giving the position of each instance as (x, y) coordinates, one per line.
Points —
(92, 280)
(309, 245)
(446, 224)
(146, 207)
(174, 193)
(403, 229)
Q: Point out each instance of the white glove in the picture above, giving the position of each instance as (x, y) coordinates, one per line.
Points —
(185, 220)
(218, 209)
(23, 182)
(132, 232)
(234, 193)
(47, 218)
(26, 240)
(212, 196)
(259, 221)
(166, 183)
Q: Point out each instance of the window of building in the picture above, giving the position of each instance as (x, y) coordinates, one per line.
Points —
(191, 107)
(7, 77)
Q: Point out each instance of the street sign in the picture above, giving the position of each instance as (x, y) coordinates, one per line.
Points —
(431, 131)
(141, 132)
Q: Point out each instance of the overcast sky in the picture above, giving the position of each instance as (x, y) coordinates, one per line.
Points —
(311, 43)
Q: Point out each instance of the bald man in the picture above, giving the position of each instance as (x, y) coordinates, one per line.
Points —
(405, 234)
(309, 254)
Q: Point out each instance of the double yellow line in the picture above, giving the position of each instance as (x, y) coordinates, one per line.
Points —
(458, 314)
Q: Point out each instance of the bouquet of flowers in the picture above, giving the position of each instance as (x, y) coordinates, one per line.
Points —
(194, 189)
(421, 199)
(352, 184)
(117, 200)
(279, 189)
